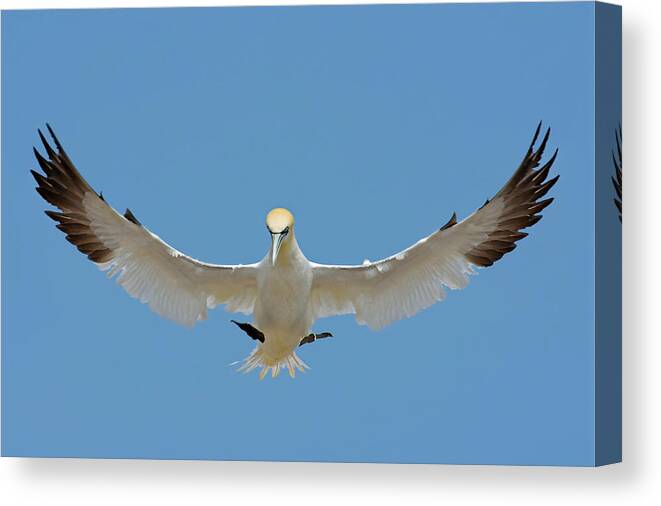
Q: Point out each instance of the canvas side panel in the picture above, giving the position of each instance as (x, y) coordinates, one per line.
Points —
(608, 235)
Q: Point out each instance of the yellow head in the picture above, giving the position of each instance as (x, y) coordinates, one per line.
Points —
(279, 219)
(280, 223)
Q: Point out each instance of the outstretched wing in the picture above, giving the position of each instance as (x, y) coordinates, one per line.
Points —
(382, 292)
(617, 179)
(174, 285)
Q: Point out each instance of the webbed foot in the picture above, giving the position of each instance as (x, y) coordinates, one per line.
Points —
(311, 338)
(254, 333)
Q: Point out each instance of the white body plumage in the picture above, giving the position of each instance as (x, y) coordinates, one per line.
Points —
(282, 309)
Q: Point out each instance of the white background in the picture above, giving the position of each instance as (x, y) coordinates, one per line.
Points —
(636, 481)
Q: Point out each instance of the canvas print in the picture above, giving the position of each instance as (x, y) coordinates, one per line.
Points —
(390, 309)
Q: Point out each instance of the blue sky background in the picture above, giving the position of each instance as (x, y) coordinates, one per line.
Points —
(375, 122)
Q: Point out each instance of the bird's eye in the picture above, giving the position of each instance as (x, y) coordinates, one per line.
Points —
(285, 231)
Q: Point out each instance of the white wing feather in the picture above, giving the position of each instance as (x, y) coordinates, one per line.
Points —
(399, 286)
(174, 285)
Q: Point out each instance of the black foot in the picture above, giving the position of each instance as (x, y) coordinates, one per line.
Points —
(250, 330)
(311, 338)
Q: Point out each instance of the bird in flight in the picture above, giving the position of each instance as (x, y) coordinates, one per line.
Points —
(285, 292)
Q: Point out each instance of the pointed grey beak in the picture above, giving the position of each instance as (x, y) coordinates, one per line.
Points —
(276, 244)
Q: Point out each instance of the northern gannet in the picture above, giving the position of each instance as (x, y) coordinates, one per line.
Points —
(285, 292)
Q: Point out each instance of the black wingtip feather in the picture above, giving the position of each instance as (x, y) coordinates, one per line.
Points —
(521, 197)
(55, 139)
(540, 151)
(534, 137)
(47, 146)
(39, 178)
(542, 174)
(618, 141)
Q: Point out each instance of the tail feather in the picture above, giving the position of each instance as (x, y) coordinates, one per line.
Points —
(259, 359)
